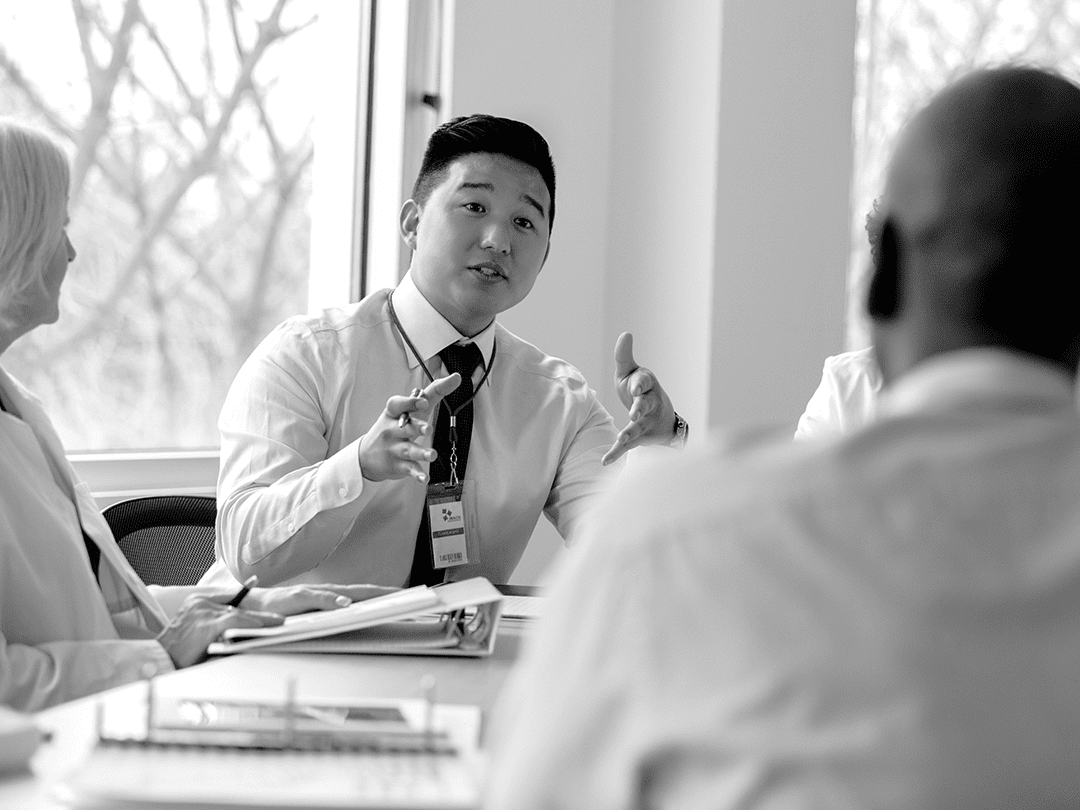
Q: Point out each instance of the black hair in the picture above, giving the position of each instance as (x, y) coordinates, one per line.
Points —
(469, 134)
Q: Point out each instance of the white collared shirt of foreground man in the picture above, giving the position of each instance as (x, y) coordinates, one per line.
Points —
(849, 622)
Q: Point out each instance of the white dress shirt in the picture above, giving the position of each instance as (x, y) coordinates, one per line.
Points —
(62, 635)
(887, 620)
(293, 505)
(846, 397)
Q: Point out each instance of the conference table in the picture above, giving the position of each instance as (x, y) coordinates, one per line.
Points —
(255, 676)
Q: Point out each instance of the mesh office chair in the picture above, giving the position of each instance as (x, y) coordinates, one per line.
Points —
(169, 540)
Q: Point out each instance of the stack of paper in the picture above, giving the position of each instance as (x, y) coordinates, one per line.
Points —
(522, 608)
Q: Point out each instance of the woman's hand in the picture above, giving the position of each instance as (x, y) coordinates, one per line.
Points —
(202, 618)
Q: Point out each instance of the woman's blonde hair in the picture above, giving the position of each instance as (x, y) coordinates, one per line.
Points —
(34, 179)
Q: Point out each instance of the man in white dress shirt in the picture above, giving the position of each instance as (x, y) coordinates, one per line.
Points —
(890, 619)
(846, 398)
(323, 478)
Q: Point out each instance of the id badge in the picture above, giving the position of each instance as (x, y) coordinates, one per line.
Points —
(446, 519)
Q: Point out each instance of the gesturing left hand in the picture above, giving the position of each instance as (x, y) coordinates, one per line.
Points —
(652, 416)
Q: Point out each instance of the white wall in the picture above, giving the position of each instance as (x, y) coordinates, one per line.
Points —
(703, 152)
(783, 187)
(550, 64)
(662, 197)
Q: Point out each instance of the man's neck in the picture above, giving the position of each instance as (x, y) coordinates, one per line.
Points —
(467, 327)
(902, 344)
(471, 333)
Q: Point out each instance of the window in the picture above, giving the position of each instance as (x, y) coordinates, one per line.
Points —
(190, 127)
(909, 49)
(221, 155)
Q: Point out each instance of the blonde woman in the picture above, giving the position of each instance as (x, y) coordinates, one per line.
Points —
(74, 617)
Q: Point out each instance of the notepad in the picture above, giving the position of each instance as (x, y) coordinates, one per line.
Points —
(122, 779)
(232, 754)
(152, 778)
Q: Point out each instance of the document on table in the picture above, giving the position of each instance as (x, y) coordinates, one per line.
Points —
(523, 607)
(392, 754)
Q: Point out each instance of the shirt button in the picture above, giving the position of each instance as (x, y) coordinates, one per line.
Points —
(343, 490)
(292, 526)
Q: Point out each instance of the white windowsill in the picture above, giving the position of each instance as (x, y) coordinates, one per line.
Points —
(117, 476)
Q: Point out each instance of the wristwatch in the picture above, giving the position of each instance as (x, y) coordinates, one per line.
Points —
(682, 432)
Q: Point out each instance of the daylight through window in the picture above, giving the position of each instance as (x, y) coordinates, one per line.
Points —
(190, 129)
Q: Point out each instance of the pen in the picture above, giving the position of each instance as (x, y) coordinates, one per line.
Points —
(249, 583)
(405, 419)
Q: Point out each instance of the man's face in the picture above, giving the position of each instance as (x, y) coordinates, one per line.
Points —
(480, 239)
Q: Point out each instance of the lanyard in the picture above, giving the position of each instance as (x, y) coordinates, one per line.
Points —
(452, 413)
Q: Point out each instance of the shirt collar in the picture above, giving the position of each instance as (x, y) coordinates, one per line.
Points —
(968, 375)
(428, 330)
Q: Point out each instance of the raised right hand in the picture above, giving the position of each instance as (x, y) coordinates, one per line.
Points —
(391, 449)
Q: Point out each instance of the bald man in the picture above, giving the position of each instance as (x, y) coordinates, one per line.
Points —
(890, 619)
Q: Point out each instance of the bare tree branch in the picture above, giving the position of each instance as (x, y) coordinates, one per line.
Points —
(195, 106)
(102, 85)
(33, 95)
(199, 164)
(197, 216)
(1049, 13)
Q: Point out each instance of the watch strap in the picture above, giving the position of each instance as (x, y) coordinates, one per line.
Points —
(682, 432)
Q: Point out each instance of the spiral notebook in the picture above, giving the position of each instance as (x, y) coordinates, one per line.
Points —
(198, 753)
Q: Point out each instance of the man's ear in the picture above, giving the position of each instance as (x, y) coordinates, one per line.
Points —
(409, 220)
(883, 294)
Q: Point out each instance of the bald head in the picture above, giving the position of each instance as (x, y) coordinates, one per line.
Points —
(982, 197)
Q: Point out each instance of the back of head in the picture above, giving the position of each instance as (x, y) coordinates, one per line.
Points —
(980, 202)
(470, 134)
(34, 178)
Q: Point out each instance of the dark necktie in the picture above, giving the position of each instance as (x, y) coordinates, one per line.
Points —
(463, 360)
(92, 550)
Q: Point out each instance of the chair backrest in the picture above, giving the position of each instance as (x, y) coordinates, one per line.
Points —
(168, 539)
